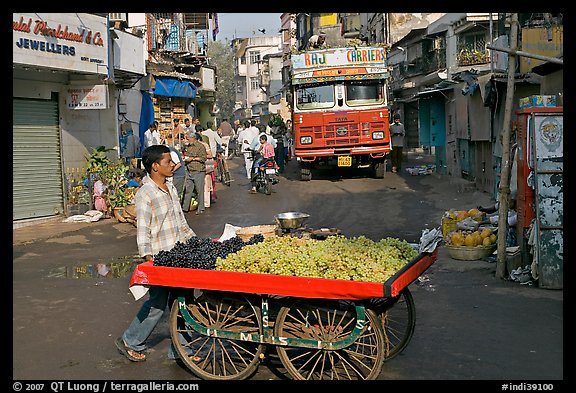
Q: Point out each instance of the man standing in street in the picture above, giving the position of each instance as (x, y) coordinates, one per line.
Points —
(250, 133)
(195, 160)
(226, 132)
(397, 132)
(152, 135)
(179, 176)
(213, 138)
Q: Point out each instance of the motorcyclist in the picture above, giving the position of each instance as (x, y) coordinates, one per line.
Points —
(255, 145)
(265, 151)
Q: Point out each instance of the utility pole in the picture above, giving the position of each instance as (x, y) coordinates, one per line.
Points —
(506, 167)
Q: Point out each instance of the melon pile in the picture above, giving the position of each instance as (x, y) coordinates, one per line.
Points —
(466, 238)
(459, 215)
(483, 237)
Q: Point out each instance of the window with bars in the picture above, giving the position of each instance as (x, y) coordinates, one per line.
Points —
(254, 83)
(254, 56)
(471, 49)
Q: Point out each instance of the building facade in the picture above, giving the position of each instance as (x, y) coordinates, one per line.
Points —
(253, 74)
(82, 80)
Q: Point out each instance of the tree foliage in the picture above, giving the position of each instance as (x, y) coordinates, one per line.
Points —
(221, 56)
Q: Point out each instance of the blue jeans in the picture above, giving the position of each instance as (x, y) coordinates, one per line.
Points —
(147, 318)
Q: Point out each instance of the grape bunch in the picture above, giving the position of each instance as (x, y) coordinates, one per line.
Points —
(337, 257)
(202, 253)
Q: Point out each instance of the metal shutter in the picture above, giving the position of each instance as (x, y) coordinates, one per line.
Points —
(37, 189)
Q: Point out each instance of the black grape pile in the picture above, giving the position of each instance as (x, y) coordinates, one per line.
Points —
(202, 253)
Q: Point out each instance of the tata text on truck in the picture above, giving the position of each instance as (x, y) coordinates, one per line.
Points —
(340, 109)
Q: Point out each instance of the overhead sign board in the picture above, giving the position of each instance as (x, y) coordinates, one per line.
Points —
(66, 41)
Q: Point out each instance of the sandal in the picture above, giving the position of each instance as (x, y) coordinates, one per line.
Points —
(131, 354)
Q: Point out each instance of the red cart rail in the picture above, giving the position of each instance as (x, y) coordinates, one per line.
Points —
(268, 284)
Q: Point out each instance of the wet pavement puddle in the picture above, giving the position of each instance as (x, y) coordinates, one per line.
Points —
(118, 268)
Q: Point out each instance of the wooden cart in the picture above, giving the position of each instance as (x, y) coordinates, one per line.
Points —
(222, 323)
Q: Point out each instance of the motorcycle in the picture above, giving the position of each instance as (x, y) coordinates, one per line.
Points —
(264, 175)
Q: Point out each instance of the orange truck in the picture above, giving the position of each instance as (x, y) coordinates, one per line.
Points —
(340, 114)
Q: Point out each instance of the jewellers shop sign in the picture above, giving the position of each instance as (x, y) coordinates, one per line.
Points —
(66, 41)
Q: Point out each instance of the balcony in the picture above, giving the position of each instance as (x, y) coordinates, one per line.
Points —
(468, 57)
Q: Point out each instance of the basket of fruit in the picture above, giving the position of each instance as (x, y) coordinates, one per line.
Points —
(470, 245)
(464, 253)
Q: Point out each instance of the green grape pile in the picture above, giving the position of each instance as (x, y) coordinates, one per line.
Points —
(337, 257)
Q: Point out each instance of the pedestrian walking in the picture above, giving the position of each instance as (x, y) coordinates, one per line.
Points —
(397, 132)
(213, 138)
(160, 225)
(226, 133)
(195, 172)
(249, 134)
(179, 176)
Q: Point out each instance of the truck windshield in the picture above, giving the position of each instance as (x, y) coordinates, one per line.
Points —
(364, 92)
(317, 96)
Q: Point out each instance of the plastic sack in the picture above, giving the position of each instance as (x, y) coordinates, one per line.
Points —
(468, 224)
(429, 240)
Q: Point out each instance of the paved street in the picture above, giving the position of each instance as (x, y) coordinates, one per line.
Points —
(470, 325)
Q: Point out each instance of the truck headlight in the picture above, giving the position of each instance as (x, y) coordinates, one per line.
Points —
(305, 140)
(378, 135)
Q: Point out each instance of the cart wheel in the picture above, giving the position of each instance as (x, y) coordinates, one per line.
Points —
(398, 317)
(217, 358)
(330, 321)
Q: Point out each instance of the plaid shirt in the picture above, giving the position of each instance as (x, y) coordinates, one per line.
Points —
(160, 220)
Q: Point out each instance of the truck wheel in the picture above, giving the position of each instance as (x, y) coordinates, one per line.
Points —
(305, 172)
(379, 169)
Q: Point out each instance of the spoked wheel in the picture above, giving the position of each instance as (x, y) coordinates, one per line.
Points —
(220, 171)
(213, 357)
(330, 321)
(227, 177)
(398, 317)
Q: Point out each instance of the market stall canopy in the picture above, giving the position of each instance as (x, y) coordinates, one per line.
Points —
(171, 87)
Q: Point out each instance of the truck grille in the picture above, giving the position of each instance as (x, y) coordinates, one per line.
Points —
(343, 134)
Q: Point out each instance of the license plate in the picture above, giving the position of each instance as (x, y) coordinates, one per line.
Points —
(271, 171)
(344, 160)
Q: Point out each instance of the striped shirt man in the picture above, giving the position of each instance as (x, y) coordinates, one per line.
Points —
(160, 220)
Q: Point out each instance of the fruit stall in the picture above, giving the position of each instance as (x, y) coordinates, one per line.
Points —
(330, 307)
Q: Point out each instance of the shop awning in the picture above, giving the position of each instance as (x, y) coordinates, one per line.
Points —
(430, 91)
(171, 87)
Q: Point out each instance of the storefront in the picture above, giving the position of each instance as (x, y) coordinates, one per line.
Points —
(167, 99)
(62, 106)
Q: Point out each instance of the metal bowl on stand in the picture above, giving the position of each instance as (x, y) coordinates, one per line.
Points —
(291, 220)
